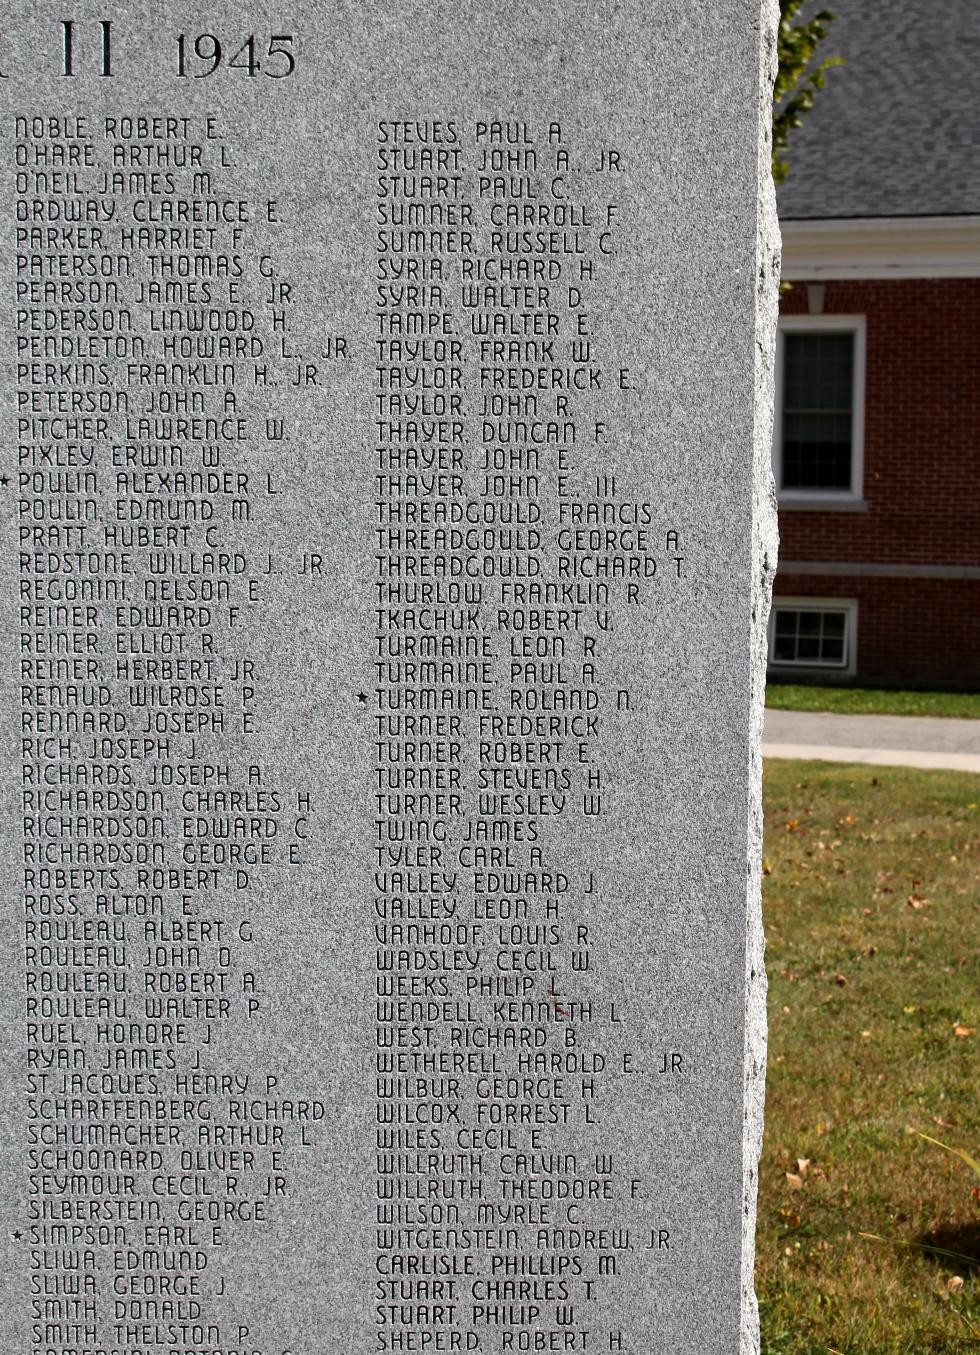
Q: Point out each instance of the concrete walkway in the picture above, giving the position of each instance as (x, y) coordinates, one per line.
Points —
(881, 740)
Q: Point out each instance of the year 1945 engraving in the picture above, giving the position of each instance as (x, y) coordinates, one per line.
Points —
(207, 53)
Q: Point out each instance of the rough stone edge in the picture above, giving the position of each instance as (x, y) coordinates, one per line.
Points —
(764, 545)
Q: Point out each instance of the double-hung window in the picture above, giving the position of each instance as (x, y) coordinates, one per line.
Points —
(818, 437)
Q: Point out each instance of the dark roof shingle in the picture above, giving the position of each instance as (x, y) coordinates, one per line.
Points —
(896, 130)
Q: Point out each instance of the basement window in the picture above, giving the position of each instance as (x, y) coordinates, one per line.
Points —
(813, 634)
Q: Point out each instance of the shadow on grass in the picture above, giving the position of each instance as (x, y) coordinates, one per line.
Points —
(955, 1245)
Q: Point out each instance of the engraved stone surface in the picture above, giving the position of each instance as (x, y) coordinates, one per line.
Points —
(386, 543)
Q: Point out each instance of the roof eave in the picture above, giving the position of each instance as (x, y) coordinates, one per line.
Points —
(880, 247)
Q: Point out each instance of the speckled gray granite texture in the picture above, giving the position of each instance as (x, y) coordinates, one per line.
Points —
(387, 541)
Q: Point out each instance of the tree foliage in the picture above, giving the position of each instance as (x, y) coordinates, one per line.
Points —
(797, 79)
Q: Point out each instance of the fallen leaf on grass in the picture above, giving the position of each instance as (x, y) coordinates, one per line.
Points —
(964, 1031)
(840, 980)
(802, 1163)
(793, 1181)
(954, 1284)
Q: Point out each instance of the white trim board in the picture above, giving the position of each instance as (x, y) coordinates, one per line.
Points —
(878, 569)
(881, 248)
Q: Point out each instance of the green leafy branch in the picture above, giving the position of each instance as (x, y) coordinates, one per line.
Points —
(797, 79)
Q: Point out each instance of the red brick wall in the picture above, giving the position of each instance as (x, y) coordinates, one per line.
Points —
(915, 632)
(921, 481)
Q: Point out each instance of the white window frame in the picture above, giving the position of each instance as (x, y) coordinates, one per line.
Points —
(807, 666)
(843, 499)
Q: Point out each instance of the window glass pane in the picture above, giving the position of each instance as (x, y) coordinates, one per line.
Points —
(832, 650)
(810, 636)
(818, 398)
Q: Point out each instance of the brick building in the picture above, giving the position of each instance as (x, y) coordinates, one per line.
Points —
(877, 439)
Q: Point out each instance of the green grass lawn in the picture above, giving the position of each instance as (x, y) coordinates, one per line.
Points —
(872, 701)
(872, 903)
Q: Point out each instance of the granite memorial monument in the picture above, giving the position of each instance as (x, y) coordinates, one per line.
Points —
(386, 541)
